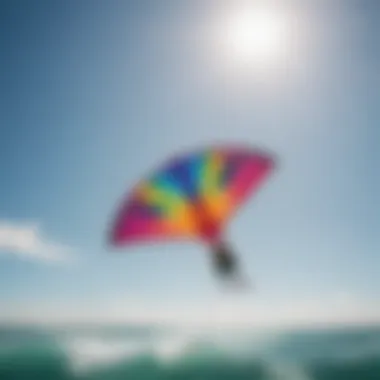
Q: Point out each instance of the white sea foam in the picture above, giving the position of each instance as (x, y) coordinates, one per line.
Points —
(90, 353)
(86, 353)
(285, 371)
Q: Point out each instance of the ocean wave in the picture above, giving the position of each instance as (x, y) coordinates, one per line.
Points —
(177, 354)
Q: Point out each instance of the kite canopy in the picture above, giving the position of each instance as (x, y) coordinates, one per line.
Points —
(192, 196)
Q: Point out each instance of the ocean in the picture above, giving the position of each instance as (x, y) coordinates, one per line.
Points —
(149, 352)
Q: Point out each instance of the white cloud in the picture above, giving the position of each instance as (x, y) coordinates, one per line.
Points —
(28, 242)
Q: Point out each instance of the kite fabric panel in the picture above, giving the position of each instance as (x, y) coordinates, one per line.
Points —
(192, 196)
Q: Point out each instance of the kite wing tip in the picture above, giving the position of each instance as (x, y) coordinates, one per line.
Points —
(112, 238)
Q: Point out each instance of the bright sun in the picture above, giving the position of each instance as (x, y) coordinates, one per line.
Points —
(255, 34)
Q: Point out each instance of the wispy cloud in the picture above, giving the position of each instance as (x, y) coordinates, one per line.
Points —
(27, 241)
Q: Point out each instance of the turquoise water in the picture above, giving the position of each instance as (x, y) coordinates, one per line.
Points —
(153, 353)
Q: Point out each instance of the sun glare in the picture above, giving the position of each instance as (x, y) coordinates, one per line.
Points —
(255, 34)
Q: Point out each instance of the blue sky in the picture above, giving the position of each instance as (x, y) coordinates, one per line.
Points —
(95, 93)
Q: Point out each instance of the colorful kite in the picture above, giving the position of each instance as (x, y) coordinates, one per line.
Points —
(192, 196)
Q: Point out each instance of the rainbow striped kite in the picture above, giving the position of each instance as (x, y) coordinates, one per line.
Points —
(192, 196)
